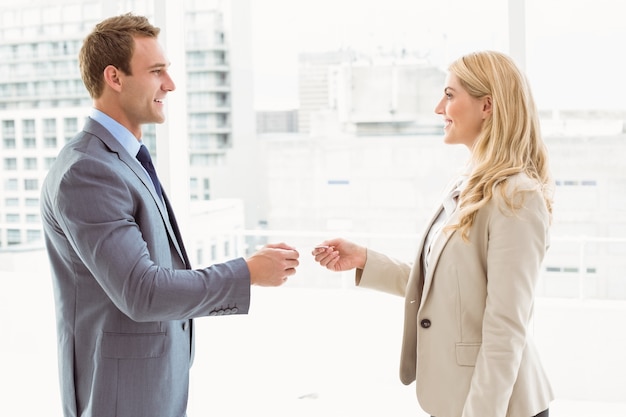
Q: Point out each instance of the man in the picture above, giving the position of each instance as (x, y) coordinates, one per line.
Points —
(125, 293)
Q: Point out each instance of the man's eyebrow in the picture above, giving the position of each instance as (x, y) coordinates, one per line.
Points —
(159, 65)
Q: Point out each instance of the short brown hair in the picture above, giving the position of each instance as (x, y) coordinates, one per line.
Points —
(111, 42)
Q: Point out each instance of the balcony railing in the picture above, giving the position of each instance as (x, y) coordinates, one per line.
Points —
(575, 267)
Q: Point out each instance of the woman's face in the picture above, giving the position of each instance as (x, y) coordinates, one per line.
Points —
(463, 115)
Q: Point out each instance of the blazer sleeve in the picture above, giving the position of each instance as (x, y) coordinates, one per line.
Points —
(111, 227)
(517, 243)
(384, 274)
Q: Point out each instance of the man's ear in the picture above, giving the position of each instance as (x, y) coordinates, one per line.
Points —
(112, 77)
(487, 106)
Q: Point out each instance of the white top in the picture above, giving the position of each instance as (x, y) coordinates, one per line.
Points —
(448, 207)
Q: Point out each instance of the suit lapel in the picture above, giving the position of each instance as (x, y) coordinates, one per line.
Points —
(164, 207)
(416, 280)
(436, 249)
(438, 244)
(178, 240)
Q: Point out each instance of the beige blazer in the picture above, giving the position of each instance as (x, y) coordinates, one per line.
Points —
(466, 336)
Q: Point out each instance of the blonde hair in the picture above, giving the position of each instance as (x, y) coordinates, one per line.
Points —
(510, 140)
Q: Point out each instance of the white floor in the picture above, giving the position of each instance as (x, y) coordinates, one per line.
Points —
(304, 352)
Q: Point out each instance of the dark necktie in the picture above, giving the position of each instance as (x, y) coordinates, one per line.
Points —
(144, 157)
(146, 161)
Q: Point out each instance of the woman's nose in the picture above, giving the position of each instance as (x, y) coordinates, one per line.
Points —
(439, 107)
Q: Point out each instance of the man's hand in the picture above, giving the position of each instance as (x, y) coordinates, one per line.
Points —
(272, 264)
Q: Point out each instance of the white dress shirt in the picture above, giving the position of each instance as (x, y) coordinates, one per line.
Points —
(448, 206)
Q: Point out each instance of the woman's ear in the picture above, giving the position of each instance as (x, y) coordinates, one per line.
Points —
(112, 77)
(487, 106)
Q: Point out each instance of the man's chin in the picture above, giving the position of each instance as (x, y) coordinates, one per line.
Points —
(159, 119)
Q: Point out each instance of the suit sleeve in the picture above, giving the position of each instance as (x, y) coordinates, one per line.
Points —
(383, 273)
(105, 219)
(516, 248)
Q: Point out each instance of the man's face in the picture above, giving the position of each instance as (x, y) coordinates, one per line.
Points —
(143, 93)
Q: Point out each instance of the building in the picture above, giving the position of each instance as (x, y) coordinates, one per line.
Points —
(368, 161)
(388, 93)
(380, 190)
(43, 101)
(285, 121)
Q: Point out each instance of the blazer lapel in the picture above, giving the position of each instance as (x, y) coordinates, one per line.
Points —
(175, 231)
(416, 280)
(131, 162)
(436, 249)
(162, 204)
(439, 243)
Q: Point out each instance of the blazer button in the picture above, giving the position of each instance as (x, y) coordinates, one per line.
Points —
(425, 323)
(185, 325)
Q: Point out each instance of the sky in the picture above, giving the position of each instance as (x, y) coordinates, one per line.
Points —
(572, 60)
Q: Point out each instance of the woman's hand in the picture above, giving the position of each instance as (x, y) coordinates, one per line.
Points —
(340, 255)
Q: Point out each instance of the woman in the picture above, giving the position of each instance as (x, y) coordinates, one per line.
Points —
(469, 294)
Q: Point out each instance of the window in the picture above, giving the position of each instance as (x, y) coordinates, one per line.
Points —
(206, 189)
(31, 184)
(33, 235)
(12, 218)
(199, 160)
(8, 128)
(199, 121)
(221, 58)
(8, 143)
(198, 81)
(200, 256)
(199, 100)
(30, 142)
(196, 59)
(199, 141)
(10, 164)
(584, 193)
(30, 164)
(70, 125)
(14, 236)
(49, 127)
(223, 140)
(50, 141)
(22, 89)
(28, 127)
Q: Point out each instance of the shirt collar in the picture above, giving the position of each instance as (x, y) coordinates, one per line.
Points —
(119, 132)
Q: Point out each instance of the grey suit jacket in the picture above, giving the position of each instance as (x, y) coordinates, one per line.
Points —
(124, 293)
